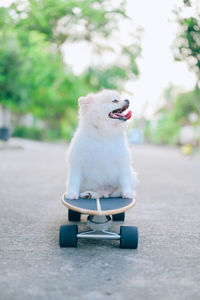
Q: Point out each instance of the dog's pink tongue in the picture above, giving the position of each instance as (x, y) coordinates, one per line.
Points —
(128, 115)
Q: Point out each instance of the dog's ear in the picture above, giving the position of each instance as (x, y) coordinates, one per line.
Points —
(84, 102)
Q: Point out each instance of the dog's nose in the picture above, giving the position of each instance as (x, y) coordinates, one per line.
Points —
(127, 101)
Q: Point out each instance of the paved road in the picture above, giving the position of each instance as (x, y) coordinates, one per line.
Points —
(166, 264)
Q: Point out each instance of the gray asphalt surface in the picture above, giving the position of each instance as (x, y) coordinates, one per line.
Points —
(166, 264)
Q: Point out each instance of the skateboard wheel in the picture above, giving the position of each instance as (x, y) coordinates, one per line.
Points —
(68, 235)
(74, 215)
(129, 237)
(119, 217)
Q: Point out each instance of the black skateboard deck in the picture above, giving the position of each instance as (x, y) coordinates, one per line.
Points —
(101, 206)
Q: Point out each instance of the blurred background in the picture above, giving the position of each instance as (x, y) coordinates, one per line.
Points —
(52, 52)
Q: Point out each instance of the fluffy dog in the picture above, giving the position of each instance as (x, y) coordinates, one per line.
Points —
(98, 157)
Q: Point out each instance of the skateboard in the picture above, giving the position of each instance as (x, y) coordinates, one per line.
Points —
(101, 212)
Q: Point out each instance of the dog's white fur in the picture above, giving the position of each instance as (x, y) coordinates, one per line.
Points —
(98, 156)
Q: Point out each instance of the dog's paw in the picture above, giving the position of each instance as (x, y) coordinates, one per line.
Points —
(130, 194)
(105, 195)
(90, 195)
(71, 195)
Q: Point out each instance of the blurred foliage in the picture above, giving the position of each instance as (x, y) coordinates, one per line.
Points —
(172, 116)
(166, 130)
(175, 113)
(33, 76)
(27, 132)
(187, 44)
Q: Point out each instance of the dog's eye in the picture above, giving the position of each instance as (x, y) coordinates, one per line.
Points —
(115, 101)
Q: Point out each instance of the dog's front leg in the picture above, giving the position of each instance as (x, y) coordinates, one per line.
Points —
(73, 183)
(126, 184)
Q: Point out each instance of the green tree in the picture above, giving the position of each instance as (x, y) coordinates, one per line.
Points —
(187, 44)
(173, 115)
(89, 20)
(33, 76)
(11, 63)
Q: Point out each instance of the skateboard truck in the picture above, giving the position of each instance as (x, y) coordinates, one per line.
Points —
(99, 226)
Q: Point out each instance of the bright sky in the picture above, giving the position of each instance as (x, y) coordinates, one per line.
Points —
(157, 66)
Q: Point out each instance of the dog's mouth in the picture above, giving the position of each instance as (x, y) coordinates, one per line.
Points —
(119, 113)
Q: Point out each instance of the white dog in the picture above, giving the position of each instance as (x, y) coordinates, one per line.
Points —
(98, 157)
